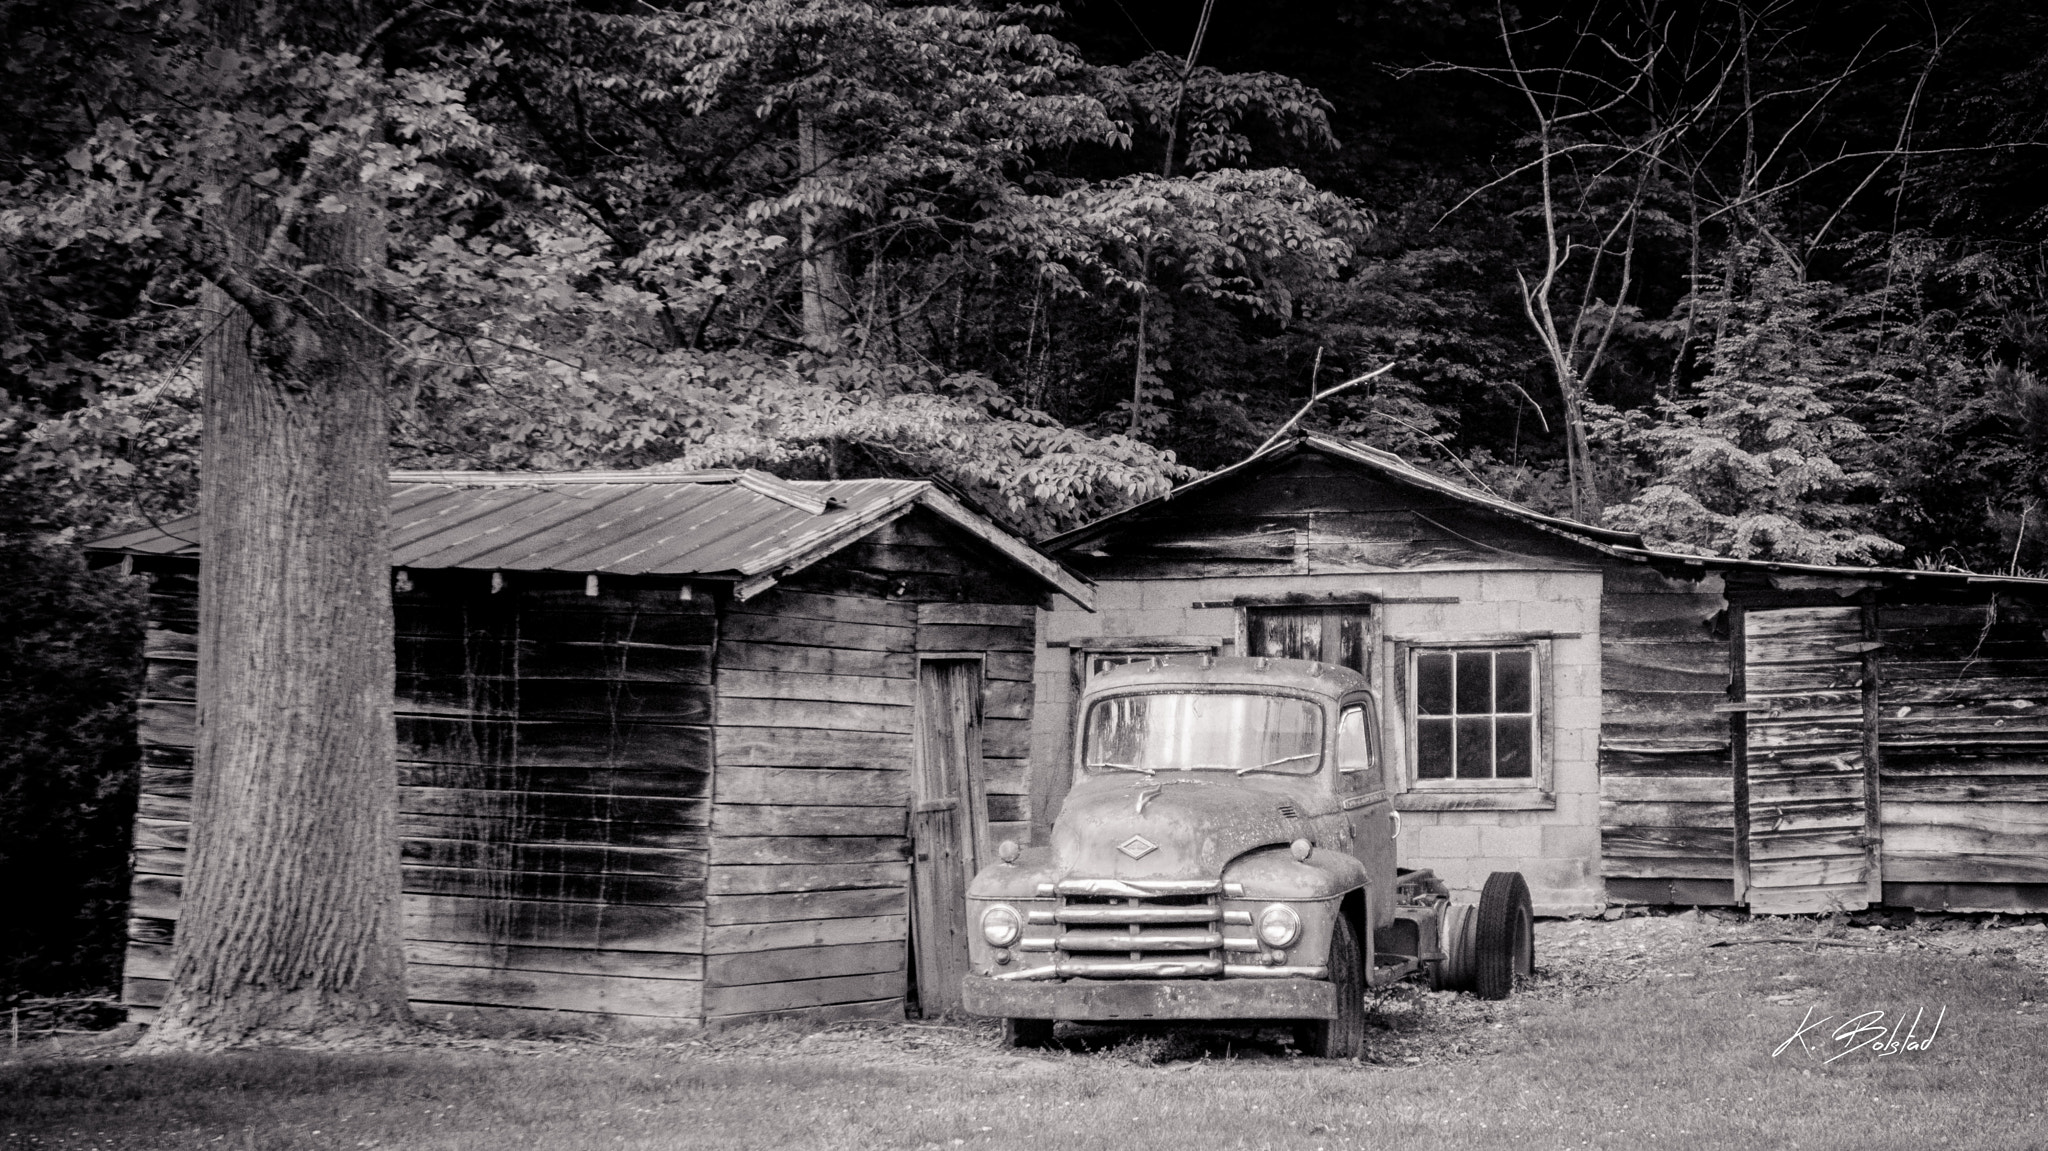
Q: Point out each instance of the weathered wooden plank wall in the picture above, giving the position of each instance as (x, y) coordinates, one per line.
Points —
(554, 758)
(808, 905)
(1964, 754)
(1807, 779)
(554, 765)
(1667, 814)
(166, 726)
(1303, 517)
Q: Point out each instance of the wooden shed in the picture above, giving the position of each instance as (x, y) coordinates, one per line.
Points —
(1616, 722)
(664, 739)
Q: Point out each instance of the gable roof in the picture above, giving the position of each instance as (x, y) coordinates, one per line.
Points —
(745, 526)
(1383, 464)
(1628, 546)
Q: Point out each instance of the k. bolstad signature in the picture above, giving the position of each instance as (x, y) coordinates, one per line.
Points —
(1867, 1032)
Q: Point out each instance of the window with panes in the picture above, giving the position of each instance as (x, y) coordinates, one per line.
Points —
(1339, 635)
(1473, 712)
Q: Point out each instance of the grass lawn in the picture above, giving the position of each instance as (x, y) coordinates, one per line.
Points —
(1637, 1035)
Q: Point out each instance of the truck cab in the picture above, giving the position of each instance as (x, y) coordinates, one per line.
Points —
(1226, 852)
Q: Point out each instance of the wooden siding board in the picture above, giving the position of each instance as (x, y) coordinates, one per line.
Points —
(562, 960)
(541, 831)
(1964, 745)
(738, 819)
(768, 879)
(788, 657)
(785, 964)
(814, 786)
(855, 636)
(556, 991)
(853, 903)
(539, 698)
(742, 849)
(878, 1010)
(736, 684)
(746, 938)
(801, 747)
(512, 807)
(633, 890)
(757, 998)
(554, 857)
(740, 711)
(627, 746)
(460, 919)
(784, 602)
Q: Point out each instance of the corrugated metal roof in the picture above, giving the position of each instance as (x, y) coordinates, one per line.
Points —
(741, 525)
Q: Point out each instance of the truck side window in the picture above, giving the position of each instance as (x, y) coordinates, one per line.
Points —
(1354, 752)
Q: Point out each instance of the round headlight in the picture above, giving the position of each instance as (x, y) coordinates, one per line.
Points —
(1001, 925)
(1279, 925)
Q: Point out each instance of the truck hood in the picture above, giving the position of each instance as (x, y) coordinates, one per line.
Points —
(1196, 823)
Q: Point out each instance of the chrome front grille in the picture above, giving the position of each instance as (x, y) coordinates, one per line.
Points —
(1133, 929)
(1158, 936)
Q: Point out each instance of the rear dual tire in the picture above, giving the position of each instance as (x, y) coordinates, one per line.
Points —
(1487, 946)
(1506, 935)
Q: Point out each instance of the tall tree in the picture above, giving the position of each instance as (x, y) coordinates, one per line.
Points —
(289, 920)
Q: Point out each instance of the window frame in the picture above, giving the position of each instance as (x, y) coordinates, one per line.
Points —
(1325, 741)
(1369, 637)
(1533, 791)
(1377, 775)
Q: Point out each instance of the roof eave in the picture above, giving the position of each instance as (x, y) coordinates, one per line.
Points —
(1049, 570)
(1604, 540)
(1842, 571)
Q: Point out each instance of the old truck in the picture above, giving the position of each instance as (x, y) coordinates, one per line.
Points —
(1227, 852)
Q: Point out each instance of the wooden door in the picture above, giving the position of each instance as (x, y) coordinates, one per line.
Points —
(1808, 773)
(948, 826)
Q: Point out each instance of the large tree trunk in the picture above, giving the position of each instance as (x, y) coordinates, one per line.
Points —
(289, 921)
(828, 294)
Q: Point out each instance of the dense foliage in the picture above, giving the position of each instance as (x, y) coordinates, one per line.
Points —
(1757, 280)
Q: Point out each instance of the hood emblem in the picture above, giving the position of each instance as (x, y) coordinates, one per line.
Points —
(1146, 796)
(1137, 847)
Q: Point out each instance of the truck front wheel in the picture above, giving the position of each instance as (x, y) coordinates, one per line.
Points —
(1344, 1036)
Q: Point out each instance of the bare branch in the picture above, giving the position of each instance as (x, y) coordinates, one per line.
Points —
(1325, 394)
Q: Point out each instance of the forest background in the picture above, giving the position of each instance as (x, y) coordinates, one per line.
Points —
(1761, 278)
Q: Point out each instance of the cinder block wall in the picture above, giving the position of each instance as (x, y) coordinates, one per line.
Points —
(1554, 842)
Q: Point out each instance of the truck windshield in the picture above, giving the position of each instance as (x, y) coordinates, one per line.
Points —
(1204, 731)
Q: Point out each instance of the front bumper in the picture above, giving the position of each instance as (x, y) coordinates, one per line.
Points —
(1116, 999)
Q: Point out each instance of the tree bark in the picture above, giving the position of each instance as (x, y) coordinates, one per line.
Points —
(289, 918)
(828, 296)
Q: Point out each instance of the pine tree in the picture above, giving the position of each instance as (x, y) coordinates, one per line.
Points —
(1756, 459)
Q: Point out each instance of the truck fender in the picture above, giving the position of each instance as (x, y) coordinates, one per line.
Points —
(1273, 872)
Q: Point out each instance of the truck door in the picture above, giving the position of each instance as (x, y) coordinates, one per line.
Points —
(1367, 805)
